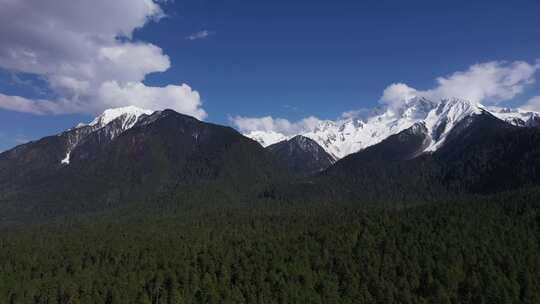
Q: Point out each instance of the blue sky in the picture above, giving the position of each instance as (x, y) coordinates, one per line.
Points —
(289, 59)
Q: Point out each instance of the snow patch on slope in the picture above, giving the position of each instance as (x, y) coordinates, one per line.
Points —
(65, 161)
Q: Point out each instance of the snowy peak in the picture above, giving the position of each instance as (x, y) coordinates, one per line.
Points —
(110, 123)
(129, 116)
(343, 137)
(448, 113)
(416, 108)
(517, 117)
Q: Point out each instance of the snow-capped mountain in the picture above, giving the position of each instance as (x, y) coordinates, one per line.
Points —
(128, 115)
(110, 124)
(343, 137)
(517, 117)
(441, 120)
(125, 154)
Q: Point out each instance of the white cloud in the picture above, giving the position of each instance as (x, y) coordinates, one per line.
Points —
(533, 104)
(181, 98)
(489, 83)
(397, 94)
(85, 52)
(199, 35)
(279, 125)
(40, 106)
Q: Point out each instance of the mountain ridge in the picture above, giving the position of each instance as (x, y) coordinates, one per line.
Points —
(161, 153)
(483, 155)
(140, 155)
(346, 136)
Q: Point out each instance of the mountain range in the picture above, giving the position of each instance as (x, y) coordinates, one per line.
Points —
(424, 149)
(343, 137)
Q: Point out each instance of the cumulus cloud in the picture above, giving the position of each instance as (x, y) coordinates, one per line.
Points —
(397, 94)
(35, 106)
(86, 53)
(279, 125)
(489, 83)
(199, 35)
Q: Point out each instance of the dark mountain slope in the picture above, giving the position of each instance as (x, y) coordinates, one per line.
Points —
(171, 157)
(33, 164)
(485, 155)
(303, 156)
(161, 154)
(403, 146)
(388, 170)
(482, 154)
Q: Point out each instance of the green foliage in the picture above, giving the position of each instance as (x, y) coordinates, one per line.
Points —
(475, 250)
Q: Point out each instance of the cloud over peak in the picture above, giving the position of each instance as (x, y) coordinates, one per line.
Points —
(89, 65)
(270, 124)
(489, 83)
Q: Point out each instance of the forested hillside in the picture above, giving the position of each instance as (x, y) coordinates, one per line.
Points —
(476, 250)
